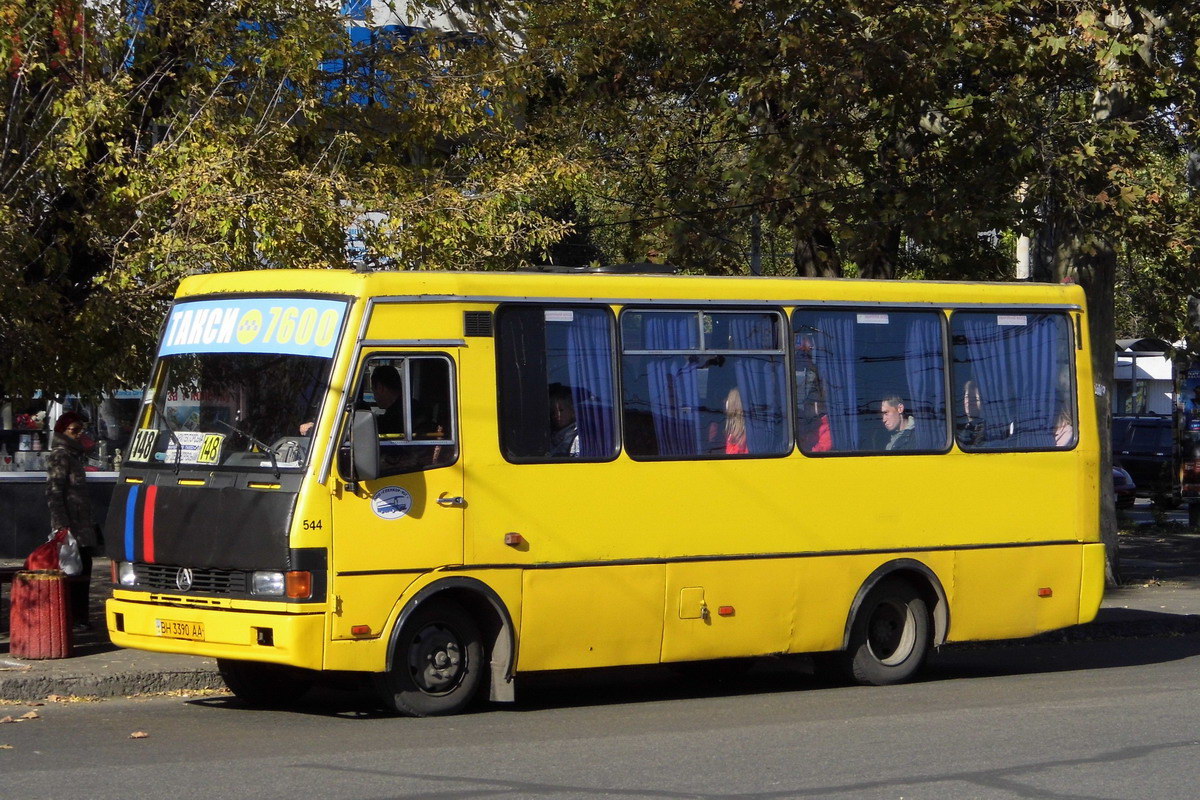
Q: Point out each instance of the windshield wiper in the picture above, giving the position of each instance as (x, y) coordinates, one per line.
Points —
(266, 447)
(162, 415)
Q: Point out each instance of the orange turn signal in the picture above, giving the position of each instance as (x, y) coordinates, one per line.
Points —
(360, 630)
(1045, 591)
(514, 539)
(299, 585)
(725, 611)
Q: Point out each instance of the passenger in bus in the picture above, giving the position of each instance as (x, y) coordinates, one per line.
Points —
(808, 381)
(970, 430)
(900, 427)
(815, 436)
(564, 434)
(387, 387)
(1064, 428)
(735, 423)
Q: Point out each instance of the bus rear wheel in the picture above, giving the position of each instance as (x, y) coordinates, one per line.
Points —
(437, 664)
(889, 639)
(264, 685)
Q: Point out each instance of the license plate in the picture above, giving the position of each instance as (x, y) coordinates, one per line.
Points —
(178, 629)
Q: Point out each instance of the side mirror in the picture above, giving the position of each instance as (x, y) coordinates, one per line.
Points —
(364, 446)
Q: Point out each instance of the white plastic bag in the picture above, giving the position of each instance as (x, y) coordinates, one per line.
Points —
(68, 553)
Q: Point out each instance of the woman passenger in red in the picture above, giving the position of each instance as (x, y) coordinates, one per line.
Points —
(814, 424)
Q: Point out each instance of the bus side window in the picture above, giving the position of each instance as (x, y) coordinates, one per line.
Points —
(556, 380)
(412, 400)
(704, 384)
(869, 381)
(1013, 373)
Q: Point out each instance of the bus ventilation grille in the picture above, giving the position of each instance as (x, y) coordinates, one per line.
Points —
(477, 323)
(164, 577)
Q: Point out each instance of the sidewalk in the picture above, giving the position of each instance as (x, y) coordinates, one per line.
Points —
(1160, 597)
(98, 668)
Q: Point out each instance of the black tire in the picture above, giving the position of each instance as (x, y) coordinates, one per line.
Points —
(437, 662)
(264, 685)
(890, 636)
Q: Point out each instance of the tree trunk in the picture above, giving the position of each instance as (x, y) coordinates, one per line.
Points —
(814, 254)
(1093, 264)
(881, 256)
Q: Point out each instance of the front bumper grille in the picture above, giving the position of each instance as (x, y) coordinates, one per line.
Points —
(168, 578)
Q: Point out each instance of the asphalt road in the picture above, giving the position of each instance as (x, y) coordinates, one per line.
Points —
(1143, 512)
(1083, 720)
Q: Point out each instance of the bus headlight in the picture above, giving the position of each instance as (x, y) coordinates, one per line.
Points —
(125, 574)
(270, 583)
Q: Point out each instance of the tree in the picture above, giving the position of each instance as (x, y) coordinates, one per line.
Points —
(204, 135)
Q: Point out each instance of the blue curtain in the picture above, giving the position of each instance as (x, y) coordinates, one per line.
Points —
(1017, 371)
(1038, 371)
(672, 381)
(761, 380)
(926, 384)
(590, 365)
(834, 356)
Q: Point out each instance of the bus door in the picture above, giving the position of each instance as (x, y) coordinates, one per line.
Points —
(409, 520)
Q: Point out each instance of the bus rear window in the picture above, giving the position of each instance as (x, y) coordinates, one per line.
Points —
(1012, 378)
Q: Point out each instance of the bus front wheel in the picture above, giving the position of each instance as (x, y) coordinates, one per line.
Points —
(890, 635)
(264, 685)
(437, 663)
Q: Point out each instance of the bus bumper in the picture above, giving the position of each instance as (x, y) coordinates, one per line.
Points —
(293, 639)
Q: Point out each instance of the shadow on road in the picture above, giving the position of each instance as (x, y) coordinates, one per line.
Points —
(625, 685)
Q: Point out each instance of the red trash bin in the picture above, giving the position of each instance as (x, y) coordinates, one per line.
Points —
(39, 618)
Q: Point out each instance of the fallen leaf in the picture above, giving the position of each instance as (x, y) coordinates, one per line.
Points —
(139, 735)
(72, 698)
(5, 747)
(6, 719)
(30, 715)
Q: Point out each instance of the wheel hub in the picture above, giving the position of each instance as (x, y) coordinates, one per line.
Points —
(436, 659)
(891, 633)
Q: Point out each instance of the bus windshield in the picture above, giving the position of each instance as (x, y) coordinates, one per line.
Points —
(239, 384)
(228, 410)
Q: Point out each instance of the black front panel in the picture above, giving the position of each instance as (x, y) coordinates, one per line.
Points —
(225, 528)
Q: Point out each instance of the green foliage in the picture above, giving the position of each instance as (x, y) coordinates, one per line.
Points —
(214, 136)
(875, 138)
(863, 138)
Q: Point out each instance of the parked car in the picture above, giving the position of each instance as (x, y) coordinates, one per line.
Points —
(1146, 448)
(1123, 487)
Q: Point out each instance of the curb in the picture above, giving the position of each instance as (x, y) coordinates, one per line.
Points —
(23, 685)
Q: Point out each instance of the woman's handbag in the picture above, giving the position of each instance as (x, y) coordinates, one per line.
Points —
(60, 551)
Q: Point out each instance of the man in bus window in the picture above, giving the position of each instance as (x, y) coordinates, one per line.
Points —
(900, 426)
(387, 387)
(564, 435)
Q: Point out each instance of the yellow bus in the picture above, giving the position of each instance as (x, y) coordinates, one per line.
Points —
(441, 480)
